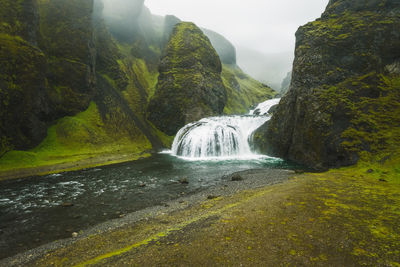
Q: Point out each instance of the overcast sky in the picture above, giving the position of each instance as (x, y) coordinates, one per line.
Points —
(264, 25)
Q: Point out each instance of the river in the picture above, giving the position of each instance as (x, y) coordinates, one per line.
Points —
(38, 210)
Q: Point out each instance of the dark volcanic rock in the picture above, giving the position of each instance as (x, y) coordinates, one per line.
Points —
(344, 98)
(47, 68)
(23, 97)
(236, 177)
(272, 109)
(190, 85)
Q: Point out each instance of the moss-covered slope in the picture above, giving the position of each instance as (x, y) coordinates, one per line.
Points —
(47, 68)
(190, 85)
(343, 102)
(74, 62)
(243, 91)
(76, 81)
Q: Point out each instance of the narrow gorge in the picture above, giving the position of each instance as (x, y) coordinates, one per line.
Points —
(134, 139)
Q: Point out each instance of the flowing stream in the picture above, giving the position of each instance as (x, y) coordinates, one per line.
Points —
(38, 210)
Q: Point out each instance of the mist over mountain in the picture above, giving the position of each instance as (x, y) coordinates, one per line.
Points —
(270, 69)
(208, 166)
(104, 58)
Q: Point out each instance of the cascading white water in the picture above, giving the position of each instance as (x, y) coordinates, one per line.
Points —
(220, 137)
(264, 107)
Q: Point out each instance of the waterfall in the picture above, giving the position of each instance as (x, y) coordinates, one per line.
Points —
(264, 107)
(221, 137)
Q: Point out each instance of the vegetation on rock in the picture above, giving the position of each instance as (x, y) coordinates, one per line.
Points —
(243, 91)
(62, 60)
(190, 85)
(343, 102)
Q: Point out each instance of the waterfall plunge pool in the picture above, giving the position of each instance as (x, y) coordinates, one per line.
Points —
(38, 210)
(33, 211)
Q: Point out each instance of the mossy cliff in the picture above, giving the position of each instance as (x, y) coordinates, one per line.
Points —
(76, 81)
(190, 85)
(66, 37)
(224, 48)
(64, 85)
(343, 101)
(47, 69)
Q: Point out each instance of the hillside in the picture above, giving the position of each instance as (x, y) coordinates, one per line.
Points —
(83, 82)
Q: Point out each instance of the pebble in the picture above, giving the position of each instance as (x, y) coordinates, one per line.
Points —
(236, 177)
(184, 181)
(74, 235)
(67, 204)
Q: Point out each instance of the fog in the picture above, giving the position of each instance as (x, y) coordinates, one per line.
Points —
(265, 28)
(264, 25)
(262, 28)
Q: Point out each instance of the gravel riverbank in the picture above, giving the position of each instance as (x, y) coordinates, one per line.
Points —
(232, 184)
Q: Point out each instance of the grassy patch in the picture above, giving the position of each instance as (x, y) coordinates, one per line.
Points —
(73, 139)
(243, 91)
(344, 217)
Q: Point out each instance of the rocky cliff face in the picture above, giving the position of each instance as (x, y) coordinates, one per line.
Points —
(59, 57)
(67, 40)
(48, 69)
(343, 102)
(224, 48)
(77, 77)
(190, 85)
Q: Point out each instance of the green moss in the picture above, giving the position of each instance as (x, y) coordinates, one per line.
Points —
(347, 218)
(66, 28)
(372, 105)
(341, 27)
(189, 85)
(147, 78)
(165, 139)
(73, 139)
(14, 17)
(110, 80)
(243, 91)
(22, 81)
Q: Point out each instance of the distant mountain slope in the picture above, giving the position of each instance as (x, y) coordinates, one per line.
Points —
(270, 69)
